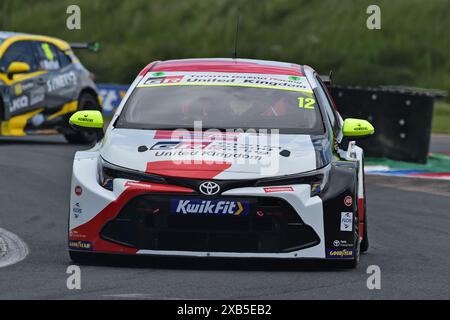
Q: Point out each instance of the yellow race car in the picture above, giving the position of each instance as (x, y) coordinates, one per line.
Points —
(42, 83)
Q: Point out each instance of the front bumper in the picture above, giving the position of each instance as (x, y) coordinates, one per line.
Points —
(122, 221)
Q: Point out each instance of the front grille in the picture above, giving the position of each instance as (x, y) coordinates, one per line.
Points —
(269, 225)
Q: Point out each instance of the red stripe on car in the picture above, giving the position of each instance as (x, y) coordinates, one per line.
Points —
(234, 66)
(361, 216)
(90, 231)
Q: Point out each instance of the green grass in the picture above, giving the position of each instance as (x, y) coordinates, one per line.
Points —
(435, 163)
(412, 48)
(441, 117)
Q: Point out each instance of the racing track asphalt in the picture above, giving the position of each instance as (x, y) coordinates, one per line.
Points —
(409, 233)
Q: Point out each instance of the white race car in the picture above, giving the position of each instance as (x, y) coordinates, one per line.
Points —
(221, 158)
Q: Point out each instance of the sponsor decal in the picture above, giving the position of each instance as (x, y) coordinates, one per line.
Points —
(81, 245)
(217, 149)
(18, 89)
(342, 244)
(193, 135)
(49, 65)
(278, 189)
(228, 79)
(21, 87)
(85, 118)
(37, 95)
(73, 234)
(348, 201)
(27, 85)
(169, 145)
(78, 190)
(138, 184)
(209, 188)
(62, 81)
(219, 156)
(209, 207)
(339, 253)
(346, 221)
(19, 103)
(161, 80)
(158, 74)
(76, 210)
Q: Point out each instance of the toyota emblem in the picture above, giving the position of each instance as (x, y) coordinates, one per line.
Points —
(209, 188)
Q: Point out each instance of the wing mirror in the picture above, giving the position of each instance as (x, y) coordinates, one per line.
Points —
(17, 68)
(357, 128)
(90, 121)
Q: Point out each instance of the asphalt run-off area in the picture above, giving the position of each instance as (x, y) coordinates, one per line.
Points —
(409, 220)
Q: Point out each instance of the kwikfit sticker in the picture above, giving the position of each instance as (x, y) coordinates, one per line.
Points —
(209, 207)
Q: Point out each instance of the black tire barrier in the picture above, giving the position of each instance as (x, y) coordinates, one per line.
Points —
(402, 120)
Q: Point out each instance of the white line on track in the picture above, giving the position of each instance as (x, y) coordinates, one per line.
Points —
(143, 296)
(12, 248)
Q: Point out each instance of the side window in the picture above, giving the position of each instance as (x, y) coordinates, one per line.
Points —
(21, 51)
(64, 59)
(331, 113)
(48, 56)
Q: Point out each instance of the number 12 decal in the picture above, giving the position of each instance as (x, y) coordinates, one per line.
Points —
(306, 103)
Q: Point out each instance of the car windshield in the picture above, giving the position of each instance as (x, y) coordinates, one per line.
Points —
(222, 107)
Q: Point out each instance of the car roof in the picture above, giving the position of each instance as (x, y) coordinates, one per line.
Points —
(6, 34)
(226, 65)
(61, 44)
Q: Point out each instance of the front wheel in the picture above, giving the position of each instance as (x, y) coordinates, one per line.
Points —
(86, 101)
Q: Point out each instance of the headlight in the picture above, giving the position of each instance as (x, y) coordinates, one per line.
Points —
(107, 172)
(317, 179)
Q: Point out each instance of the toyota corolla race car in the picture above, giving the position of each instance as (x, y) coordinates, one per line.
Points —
(42, 83)
(221, 158)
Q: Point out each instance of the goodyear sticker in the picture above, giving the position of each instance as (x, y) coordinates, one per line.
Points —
(339, 253)
(81, 245)
(209, 207)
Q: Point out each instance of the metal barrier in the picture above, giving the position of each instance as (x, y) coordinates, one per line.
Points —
(402, 119)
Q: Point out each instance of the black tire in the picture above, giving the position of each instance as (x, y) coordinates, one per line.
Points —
(82, 257)
(86, 101)
(365, 241)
